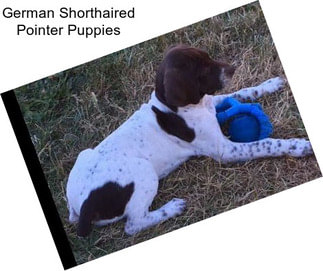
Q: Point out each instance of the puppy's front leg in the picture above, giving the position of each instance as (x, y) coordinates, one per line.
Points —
(252, 93)
(234, 152)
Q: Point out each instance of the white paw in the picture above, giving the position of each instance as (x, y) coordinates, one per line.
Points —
(273, 84)
(174, 207)
(300, 147)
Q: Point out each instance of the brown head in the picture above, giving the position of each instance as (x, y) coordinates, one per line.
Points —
(186, 74)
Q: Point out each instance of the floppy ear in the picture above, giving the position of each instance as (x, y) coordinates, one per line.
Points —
(181, 87)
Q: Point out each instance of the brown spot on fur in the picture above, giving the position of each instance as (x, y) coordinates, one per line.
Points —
(174, 125)
(105, 202)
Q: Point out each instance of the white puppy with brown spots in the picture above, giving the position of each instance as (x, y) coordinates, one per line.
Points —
(119, 178)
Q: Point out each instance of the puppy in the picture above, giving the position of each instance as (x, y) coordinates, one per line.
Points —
(119, 177)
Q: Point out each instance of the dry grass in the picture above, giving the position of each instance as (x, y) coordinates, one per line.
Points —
(78, 108)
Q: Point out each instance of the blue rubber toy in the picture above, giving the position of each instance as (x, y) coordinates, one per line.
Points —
(246, 122)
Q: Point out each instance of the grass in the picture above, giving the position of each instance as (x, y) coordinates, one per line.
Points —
(77, 108)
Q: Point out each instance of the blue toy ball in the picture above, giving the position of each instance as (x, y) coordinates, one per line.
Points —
(245, 122)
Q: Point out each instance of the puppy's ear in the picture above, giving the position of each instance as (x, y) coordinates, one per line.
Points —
(181, 87)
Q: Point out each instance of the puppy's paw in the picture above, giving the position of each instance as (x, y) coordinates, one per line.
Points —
(273, 84)
(174, 207)
(300, 147)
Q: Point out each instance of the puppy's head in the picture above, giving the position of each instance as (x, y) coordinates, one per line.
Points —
(186, 74)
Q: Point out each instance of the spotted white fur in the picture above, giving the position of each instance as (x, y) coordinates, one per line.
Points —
(140, 151)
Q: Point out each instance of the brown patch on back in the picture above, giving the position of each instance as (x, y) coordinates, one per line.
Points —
(174, 125)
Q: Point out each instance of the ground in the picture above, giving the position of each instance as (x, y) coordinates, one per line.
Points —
(77, 108)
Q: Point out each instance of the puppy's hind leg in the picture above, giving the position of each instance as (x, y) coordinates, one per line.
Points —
(137, 211)
(147, 219)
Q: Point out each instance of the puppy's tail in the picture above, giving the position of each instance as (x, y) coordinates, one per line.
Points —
(85, 220)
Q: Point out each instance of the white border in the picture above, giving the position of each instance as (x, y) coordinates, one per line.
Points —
(282, 232)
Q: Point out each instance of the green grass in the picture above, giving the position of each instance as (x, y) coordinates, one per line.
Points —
(77, 108)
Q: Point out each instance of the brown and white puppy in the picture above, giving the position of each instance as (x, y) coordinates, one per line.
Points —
(119, 177)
